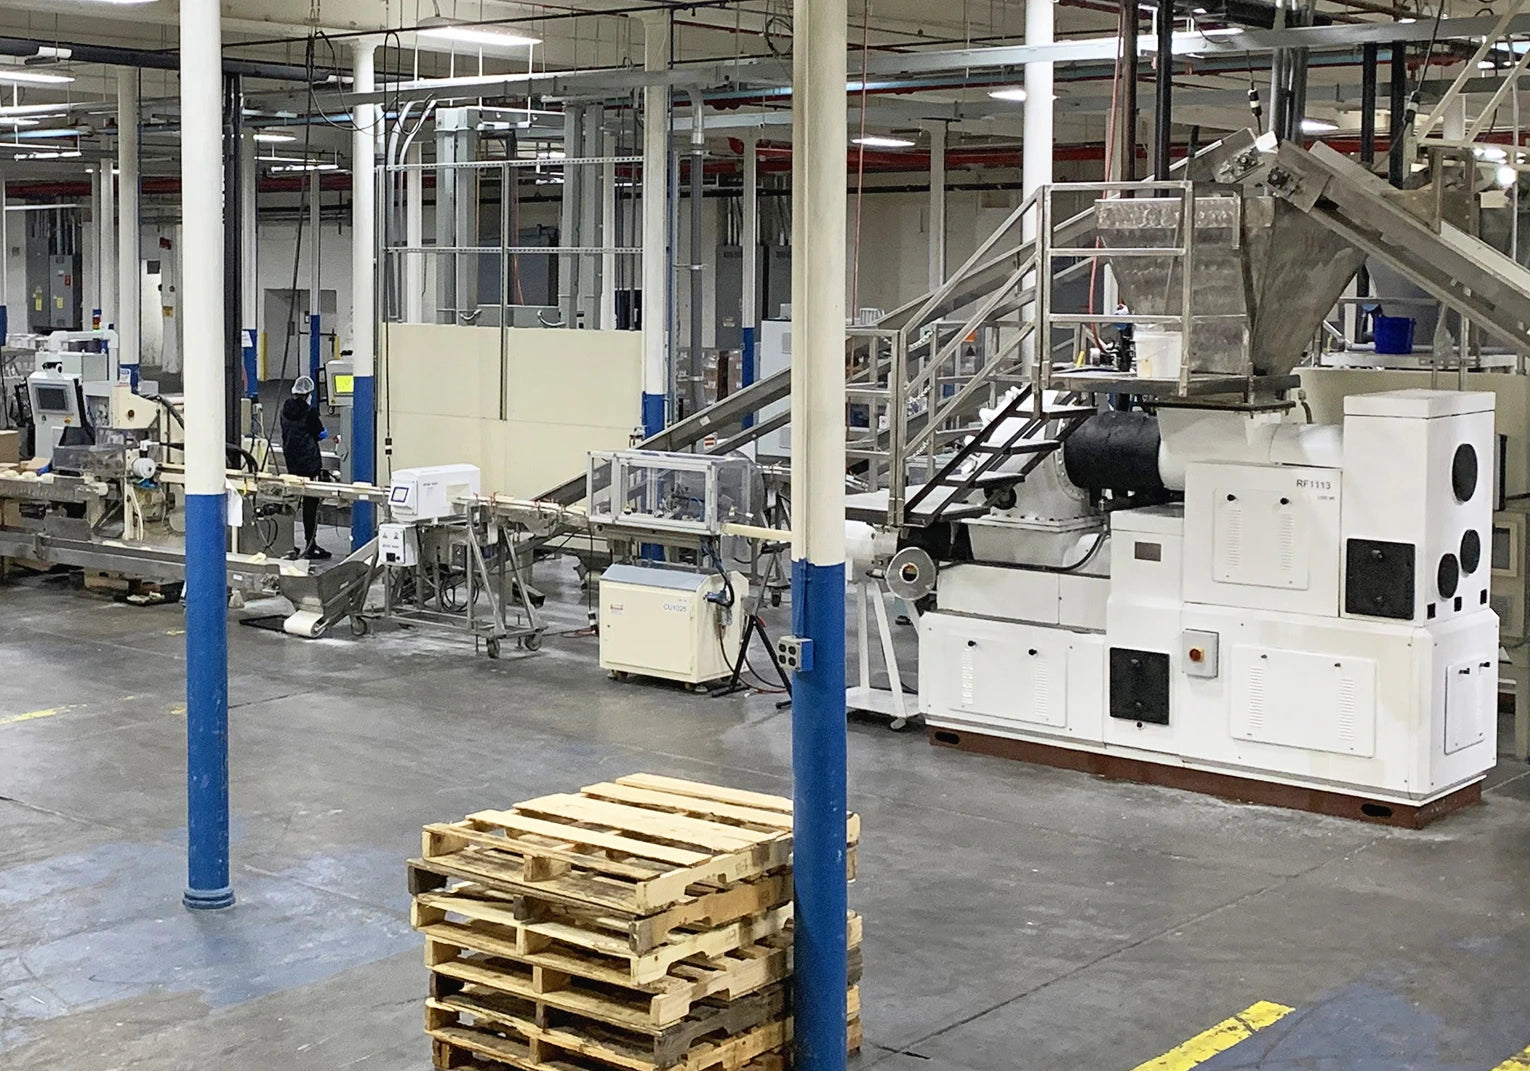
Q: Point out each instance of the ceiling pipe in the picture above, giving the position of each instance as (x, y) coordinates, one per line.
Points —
(160, 60)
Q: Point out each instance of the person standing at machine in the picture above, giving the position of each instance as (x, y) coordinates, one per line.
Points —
(302, 431)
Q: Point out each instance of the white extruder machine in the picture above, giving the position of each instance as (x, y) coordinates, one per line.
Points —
(1195, 585)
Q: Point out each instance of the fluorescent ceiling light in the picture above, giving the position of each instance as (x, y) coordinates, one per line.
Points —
(10, 75)
(33, 109)
(1318, 126)
(274, 139)
(1506, 175)
(17, 120)
(1491, 152)
(65, 154)
(307, 167)
(878, 141)
(1008, 93)
(479, 35)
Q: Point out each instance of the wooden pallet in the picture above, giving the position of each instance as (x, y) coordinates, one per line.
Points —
(496, 931)
(633, 846)
(592, 985)
(499, 1038)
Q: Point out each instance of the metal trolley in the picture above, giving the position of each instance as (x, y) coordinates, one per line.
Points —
(466, 576)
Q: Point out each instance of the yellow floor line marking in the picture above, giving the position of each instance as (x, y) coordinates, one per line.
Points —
(1520, 1062)
(33, 715)
(1219, 1038)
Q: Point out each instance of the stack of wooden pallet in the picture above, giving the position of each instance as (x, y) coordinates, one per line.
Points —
(641, 924)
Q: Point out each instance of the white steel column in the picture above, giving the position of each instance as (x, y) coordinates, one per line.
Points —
(1036, 143)
(818, 529)
(607, 233)
(206, 577)
(5, 266)
(249, 248)
(414, 238)
(655, 231)
(108, 242)
(129, 266)
(363, 287)
(938, 201)
(98, 276)
(749, 293)
(315, 243)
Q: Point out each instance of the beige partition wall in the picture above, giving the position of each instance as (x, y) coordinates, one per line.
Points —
(566, 393)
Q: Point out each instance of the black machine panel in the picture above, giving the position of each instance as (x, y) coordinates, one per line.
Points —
(1139, 685)
(1378, 578)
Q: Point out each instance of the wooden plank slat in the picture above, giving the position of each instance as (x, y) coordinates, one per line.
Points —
(681, 787)
(441, 836)
(616, 792)
(713, 836)
(520, 819)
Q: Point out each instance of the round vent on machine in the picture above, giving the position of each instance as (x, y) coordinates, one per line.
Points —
(1463, 472)
(1471, 551)
(1448, 575)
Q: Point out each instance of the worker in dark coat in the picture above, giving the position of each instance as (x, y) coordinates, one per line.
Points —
(302, 430)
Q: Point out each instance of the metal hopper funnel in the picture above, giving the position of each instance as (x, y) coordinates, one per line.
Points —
(1262, 270)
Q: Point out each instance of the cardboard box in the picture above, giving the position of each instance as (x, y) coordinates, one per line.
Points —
(10, 447)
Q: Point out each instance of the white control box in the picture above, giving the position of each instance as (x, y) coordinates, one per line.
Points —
(431, 493)
(669, 623)
(396, 545)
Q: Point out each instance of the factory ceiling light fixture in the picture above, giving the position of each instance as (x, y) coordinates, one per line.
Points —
(274, 139)
(1318, 126)
(881, 141)
(488, 36)
(1014, 93)
(17, 76)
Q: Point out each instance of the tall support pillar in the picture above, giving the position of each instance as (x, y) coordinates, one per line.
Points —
(129, 263)
(249, 294)
(655, 242)
(571, 219)
(108, 253)
(1398, 132)
(607, 320)
(414, 238)
(818, 530)
(97, 317)
(233, 254)
(5, 268)
(315, 292)
(1036, 149)
(363, 288)
(206, 581)
(1163, 91)
(750, 292)
(938, 200)
(1129, 52)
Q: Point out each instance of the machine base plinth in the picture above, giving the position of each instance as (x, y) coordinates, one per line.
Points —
(1211, 783)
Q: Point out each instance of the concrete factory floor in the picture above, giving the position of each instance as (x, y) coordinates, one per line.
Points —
(1016, 917)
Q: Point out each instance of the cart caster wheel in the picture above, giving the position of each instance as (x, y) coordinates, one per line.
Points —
(318, 631)
(775, 598)
(360, 626)
(492, 646)
(617, 674)
(533, 642)
(898, 724)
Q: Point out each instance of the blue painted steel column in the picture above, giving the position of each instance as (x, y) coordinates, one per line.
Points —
(364, 137)
(5, 320)
(818, 798)
(315, 346)
(363, 455)
(207, 866)
(251, 365)
(818, 532)
(207, 856)
(746, 365)
(653, 414)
